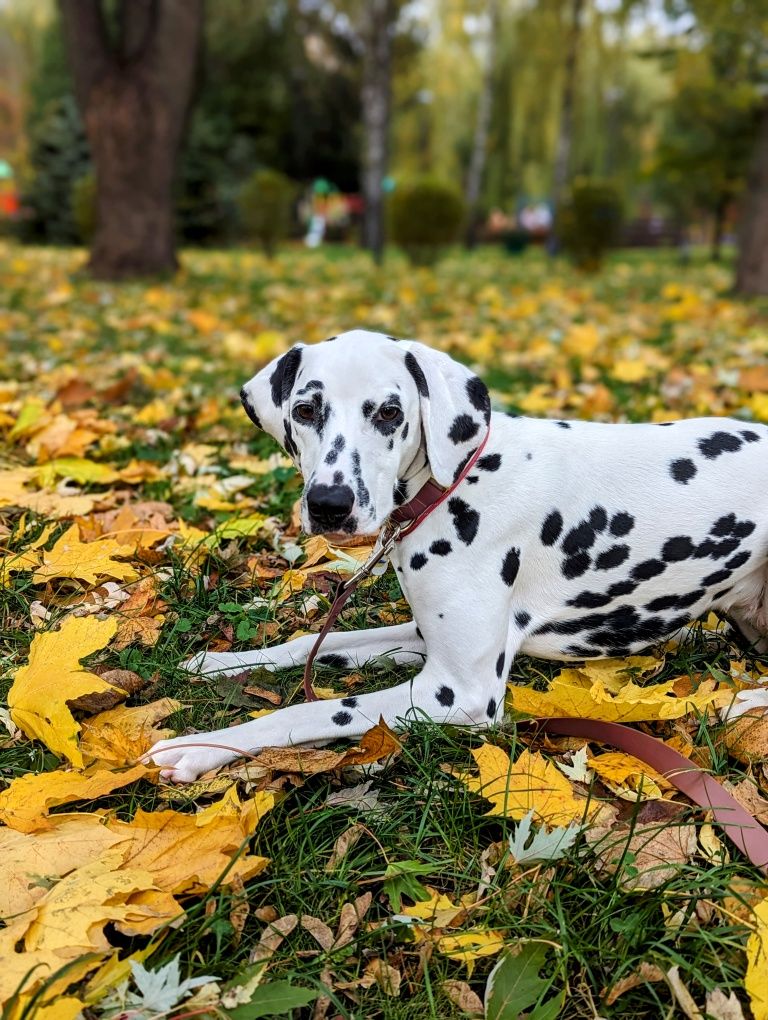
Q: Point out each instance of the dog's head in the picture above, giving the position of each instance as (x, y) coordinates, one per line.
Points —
(360, 415)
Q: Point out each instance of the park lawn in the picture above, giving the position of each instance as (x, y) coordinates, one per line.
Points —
(122, 429)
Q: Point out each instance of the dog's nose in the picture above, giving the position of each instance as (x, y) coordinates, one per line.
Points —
(330, 505)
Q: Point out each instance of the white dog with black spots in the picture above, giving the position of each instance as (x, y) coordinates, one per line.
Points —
(566, 540)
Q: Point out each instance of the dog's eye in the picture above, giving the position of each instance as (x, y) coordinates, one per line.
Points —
(388, 413)
(305, 412)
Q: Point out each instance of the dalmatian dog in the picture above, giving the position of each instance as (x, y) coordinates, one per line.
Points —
(566, 540)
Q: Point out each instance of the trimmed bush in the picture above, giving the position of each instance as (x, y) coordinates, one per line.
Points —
(84, 206)
(425, 217)
(589, 222)
(266, 200)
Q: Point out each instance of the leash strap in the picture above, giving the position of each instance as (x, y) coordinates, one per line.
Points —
(738, 824)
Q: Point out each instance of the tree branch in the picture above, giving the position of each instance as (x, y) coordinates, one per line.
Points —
(87, 45)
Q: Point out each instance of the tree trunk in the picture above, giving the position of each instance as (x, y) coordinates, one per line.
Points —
(134, 98)
(479, 156)
(752, 264)
(562, 165)
(718, 228)
(377, 34)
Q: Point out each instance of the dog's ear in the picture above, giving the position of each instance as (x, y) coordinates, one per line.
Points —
(266, 395)
(455, 409)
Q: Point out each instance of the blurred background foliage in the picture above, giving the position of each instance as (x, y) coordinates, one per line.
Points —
(660, 101)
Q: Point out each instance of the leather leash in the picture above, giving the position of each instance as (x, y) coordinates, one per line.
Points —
(738, 824)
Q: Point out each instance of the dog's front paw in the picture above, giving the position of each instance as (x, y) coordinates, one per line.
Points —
(220, 663)
(745, 701)
(183, 759)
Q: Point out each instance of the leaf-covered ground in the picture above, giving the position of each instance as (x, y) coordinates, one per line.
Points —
(143, 519)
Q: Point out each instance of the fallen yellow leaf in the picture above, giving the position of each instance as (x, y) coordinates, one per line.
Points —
(121, 735)
(86, 561)
(41, 689)
(756, 980)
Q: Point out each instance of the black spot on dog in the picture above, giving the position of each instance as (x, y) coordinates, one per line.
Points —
(716, 578)
(289, 445)
(465, 519)
(500, 665)
(590, 600)
(551, 528)
(418, 376)
(465, 460)
(749, 437)
(719, 442)
(686, 601)
(576, 565)
(598, 518)
(363, 495)
(491, 710)
(581, 537)
(400, 492)
(716, 550)
(332, 659)
(622, 617)
(738, 560)
(522, 619)
(313, 384)
(418, 560)
(333, 454)
(622, 588)
(678, 548)
(744, 528)
(329, 338)
(647, 569)
(510, 567)
(472, 479)
(660, 604)
(664, 424)
(612, 557)
(477, 392)
(445, 696)
(463, 429)
(419, 634)
(490, 462)
(404, 433)
(349, 702)
(440, 547)
(723, 525)
(682, 470)
(284, 376)
(249, 408)
(563, 424)
(369, 406)
(529, 456)
(338, 478)
(342, 718)
(621, 524)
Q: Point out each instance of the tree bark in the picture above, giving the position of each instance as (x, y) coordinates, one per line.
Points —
(562, 165)
(479, 156)
(134, 97)
(752, 263)
(718, 227)
(377, 36)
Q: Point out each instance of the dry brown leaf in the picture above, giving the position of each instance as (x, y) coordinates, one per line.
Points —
(272, 937)
(746, 737)
(746, 793)
(723, 1007)
(239, 909)
(386, 977)
(344, 844)
(645, 973)
(319, 930)
(658, 842)
(122, 681)
(462, 996)
(682, 996)
(262, 692)
(350, 918)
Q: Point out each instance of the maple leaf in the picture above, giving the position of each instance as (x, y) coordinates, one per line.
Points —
(545, 846)
(162, 989)
(530, 784)
(122, 735)
(41, 689)
(87, 561)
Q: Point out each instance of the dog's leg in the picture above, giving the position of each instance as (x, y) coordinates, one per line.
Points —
(402, 643)
(462, 683)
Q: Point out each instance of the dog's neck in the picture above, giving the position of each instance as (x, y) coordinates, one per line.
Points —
(417, 474)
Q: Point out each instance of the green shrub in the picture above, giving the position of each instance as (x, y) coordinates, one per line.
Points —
(84, 206)
(589, 222)
(266, 200)
(425, 217)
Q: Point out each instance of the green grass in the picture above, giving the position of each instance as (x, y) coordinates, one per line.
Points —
(599, 931)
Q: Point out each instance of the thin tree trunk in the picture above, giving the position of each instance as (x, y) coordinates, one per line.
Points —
(562, 165)
(718, 228)
(479, 156)
(752, 264)
(377, 34)
(134, 99)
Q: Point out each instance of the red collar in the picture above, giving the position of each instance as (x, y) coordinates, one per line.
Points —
(429, 497)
